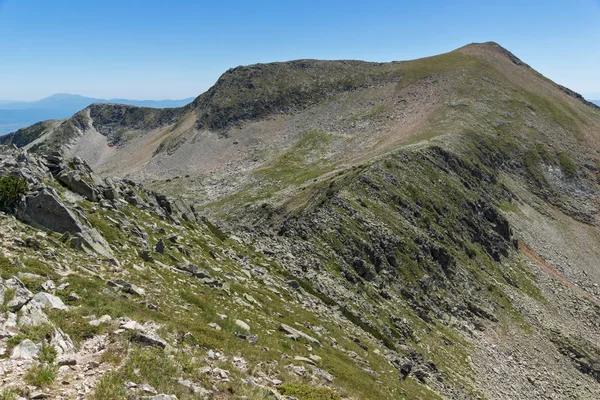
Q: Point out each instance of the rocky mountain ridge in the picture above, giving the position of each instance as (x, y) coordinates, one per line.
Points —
(423, 229)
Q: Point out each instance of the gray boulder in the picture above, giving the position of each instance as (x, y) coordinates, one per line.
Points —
(46, 300)
(296, 334)
(77, 184)
(26, 350)
(21, 295)
(44, 209)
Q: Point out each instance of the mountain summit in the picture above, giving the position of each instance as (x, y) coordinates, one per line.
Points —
(312, 229)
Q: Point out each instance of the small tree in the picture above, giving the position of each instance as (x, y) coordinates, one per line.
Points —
(12, 190)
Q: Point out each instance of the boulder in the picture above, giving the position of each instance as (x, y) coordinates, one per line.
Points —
(105, 319)
(296, 334)
(242, 325)
(127, 287)
(77, 184)
(44, 209)
(160, 246)
(62, 342)
(33, 315)
(26, 350)
(46, 300)
(21, 295)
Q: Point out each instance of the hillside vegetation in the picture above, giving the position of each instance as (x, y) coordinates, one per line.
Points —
(312, 230)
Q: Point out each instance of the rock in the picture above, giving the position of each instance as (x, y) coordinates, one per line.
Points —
(21, 295)
(111, 194)
(214, 326)
(242, 325)
(315, 358)
(102, 320)
(143, 336)
(74, 296)
(33, 315)
(46, 300)
(304, 359)
(252, 339)
(77, 184)
(45, 209)
(146, 388)
(296, 334)
(163, 397)
(62, 342)
(252, 300)
(160, 246)
(173, 239)
(405, 370)
(146, 255)
(293, 284)
(26, 350)
(40, 395)
(127, 287)
(204, 370)
(49, 286)
(66, 361)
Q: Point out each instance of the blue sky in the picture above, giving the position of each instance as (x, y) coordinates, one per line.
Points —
(154, 49)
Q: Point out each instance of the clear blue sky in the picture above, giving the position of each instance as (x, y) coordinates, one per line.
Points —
(151, 49)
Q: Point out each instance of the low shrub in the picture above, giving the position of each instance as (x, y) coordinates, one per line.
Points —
(12, 190)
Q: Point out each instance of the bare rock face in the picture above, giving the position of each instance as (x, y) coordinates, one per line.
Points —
(46, 300)
(26, 350)
(77, 184)
(20, 294)
(44, 209)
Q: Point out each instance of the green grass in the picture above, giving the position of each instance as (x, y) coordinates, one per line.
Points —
(9, 394)
(40, 375)
(110, 387)
(47, 354)
(308, 392)
(567, 165)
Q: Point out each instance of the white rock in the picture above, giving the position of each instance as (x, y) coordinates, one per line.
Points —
(26, 350)
(47, 300)
(242, 325)
(214, 326)
(102, 320)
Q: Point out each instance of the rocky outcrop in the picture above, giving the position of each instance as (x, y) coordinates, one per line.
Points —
(43, 208)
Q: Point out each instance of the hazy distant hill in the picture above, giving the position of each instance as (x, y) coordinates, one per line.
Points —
(596, 102)
(18, 114)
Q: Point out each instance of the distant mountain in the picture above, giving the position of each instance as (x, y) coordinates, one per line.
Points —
(596, 102)
(18, 114)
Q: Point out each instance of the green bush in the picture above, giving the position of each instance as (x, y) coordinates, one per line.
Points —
(12, 190)
(40, 375)
(47, 354)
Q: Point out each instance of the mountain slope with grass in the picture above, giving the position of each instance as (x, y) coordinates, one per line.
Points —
(312, 229)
